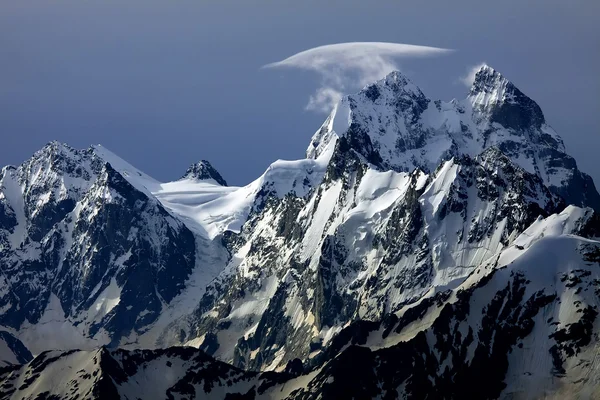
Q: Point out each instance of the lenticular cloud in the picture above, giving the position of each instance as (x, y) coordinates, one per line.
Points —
(347, 64)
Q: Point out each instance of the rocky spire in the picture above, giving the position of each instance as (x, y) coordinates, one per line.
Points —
(497, 97)
(203, 170)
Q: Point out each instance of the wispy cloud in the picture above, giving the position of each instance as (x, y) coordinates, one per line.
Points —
(345, 65)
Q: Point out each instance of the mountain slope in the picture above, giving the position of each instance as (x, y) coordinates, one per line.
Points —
(523, 325)
(376, 233)
(395, 126)
(88, 247)
(408, 221)
(12, 351)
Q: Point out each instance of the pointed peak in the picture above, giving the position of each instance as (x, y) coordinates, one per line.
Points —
(488, 80)
(396, 77)
(495, 96)
(395, 82)
(486, 69)
(55, 152)
(203, 170)
(481, 70)
(55, 146)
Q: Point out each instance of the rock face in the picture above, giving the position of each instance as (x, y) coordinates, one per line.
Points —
(12, 351)
(394, 126)
(416, 195)
(104, 374)
(203, 170)
(84, 245)
(419, 242)
(523, 325)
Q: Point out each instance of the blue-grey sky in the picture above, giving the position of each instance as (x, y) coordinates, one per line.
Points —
(166, 83)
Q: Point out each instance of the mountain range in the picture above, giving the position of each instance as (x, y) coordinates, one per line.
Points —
(422, 249)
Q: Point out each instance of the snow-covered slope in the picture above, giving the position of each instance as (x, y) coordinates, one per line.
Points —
(211, 208)
(415, 196)
(404, 210)
(361, 246)
(395, 126)
(523, 325)
(102, 374)
(85, 250)
(97, 250)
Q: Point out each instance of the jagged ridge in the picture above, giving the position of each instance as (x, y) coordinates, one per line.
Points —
(401, 200)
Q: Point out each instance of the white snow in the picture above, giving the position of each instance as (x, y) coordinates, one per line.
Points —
(355, 213)
(439, 188)
(206, 208)
(486, 99)
(54, 331)
(53, 378)
(255, 303)
(210, 209)
(196, 342)
(137, 178)
(342, 117)
(107, 300)
(321, 215)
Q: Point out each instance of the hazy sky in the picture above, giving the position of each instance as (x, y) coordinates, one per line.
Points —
(166, 83)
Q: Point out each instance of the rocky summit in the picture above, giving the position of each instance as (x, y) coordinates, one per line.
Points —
(422, 249)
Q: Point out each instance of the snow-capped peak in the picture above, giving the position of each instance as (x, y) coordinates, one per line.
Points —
(202, 171)
(403, 203)
(398, 83)
(490, 87)
(501, 101)
(393, 125)
(382, 116)
(58, 155)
